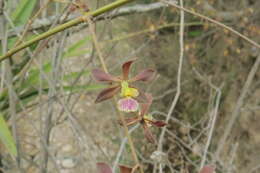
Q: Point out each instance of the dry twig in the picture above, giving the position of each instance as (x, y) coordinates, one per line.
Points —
(240, 102)
(178, 92)
(213, 21)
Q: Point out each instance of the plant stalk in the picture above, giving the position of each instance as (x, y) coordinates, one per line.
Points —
(120, 116)
(64, 26)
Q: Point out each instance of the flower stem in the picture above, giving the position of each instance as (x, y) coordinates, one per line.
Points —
(64, 26)
(120, 116)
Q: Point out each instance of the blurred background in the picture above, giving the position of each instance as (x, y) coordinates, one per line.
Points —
(47, 92)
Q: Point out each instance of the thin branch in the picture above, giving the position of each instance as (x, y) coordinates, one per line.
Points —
(178, 92)
(65, 26)
(214, 114)
(8, 80)
(122, 146)
(239, 104)
(255, 168)
(28, 25)
(45, 22)
(230, 167)
(213, 21)
(121, 117)
(47, 120)
(39, 47)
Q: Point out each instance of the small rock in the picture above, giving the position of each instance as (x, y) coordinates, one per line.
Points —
(184, 130)
(159, 157)
(66, 148)
(196, 149)
(68, 163)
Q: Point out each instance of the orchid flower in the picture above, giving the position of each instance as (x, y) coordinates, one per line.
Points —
(121, 85)
(146, 120)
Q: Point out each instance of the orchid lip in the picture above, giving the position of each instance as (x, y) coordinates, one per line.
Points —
(128, 104)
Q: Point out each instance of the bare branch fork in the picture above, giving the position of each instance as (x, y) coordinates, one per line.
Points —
(249, 80)
(178, 92)
(64, 26)
(172, 3)
(240, 102)
(212, 123)
(124, 11)
(139, 8)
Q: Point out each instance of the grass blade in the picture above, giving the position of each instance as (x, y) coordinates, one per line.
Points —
(23, 12)
(6, 137)
(73, 50)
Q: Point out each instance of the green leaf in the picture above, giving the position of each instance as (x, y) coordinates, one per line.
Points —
(78, 88)
(73, 50)
(6, 137)
(194, 33)
(74, 75)
(77, 53)
(23, 12)
(20, 16)
(33, 78)
(34, 74)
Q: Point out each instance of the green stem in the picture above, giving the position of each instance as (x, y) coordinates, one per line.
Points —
(64, 26)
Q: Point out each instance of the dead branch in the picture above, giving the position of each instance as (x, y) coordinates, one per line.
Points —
(46, 22)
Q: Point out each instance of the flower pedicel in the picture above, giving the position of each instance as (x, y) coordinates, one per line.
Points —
(145, 119)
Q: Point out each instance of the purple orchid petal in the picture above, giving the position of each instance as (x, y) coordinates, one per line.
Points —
(102, 76)
(126, 68)
(145, 75)
(107, 93)
(127, 105)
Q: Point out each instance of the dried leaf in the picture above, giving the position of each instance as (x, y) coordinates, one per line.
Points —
(145, 75)
(149, 98)
(103, 168)
(145, 107)
(141, 98)
(126, 68)
(158, 123)
(148, 134)
(107, 93)
(102, 76)
(208, 169)
(125, 169)
(130, 121)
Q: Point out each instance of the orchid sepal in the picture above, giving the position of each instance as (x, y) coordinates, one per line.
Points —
(101, 76)
(145, 76)
(107, 93)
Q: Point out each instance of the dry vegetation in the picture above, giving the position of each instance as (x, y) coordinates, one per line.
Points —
(211, 104)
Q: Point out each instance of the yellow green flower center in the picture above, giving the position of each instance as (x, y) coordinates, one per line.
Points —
(127, 91)
(148, 118)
